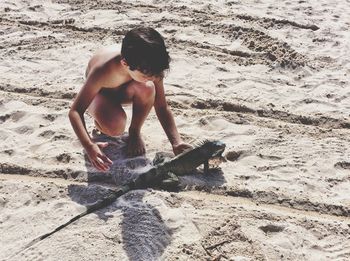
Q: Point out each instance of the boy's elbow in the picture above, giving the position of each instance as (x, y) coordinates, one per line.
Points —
(72, 112)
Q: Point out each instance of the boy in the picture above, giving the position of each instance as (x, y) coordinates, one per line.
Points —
(133, 76)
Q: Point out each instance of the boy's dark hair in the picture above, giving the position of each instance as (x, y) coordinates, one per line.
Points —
(144, 50)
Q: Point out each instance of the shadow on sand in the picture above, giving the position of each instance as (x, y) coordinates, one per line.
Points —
(145, 235)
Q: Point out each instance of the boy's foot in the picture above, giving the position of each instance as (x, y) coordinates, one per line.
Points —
(136, 146)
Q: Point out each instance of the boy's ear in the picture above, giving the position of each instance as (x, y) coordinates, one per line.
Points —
(123, 61)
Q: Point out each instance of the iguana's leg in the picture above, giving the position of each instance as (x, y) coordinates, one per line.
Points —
(206, 167)
(160, 158)
(170, 182)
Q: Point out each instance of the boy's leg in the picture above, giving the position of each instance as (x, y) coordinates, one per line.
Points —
(110, 118)
(143, 95)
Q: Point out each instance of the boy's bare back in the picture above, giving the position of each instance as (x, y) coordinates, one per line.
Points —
(106, 63)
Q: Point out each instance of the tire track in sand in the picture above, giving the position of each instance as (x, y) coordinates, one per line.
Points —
(211, 104)
(265, 49)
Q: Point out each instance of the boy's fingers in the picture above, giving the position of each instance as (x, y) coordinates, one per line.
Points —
(106, 163)
(96, 165)
(102, 144)
(100, 165)
(93, 162)
(106, 159)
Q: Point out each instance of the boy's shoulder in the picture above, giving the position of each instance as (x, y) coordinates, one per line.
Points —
(104, 57)
(105, 61)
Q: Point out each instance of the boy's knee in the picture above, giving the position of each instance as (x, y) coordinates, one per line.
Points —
(145, 91)
(148, 92)
(150, 89)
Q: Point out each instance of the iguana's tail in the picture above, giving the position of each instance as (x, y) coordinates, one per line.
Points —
(98, 205)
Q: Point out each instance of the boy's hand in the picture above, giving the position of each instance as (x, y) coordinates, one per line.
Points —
(98, 159)
(181, 147)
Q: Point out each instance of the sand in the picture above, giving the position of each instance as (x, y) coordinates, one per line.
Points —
(268, 78)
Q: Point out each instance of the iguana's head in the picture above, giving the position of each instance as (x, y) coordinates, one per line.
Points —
(213, 148)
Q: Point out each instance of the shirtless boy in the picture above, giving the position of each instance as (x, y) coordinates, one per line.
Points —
(132, 76)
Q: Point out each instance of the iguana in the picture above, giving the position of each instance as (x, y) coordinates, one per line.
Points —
(164, 172)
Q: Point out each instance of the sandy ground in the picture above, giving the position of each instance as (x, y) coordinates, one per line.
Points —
(268, 78)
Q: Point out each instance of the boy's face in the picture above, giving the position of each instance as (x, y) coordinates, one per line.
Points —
(138, 76)
(141, 77)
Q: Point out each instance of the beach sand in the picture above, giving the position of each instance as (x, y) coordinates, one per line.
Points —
(268, 78)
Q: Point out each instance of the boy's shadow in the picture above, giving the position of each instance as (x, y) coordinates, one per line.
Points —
(144, 233)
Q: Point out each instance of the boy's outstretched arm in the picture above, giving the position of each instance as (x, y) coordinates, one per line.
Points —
(166, 119)
(76, 117)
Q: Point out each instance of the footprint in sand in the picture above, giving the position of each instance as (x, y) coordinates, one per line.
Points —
(47, 134)
(50, 117)
(64, 158)
(342, 165)
(24, 130)
(8, 152)
(271, 228)
(14, 116)
(269, 157)
(61, 137)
